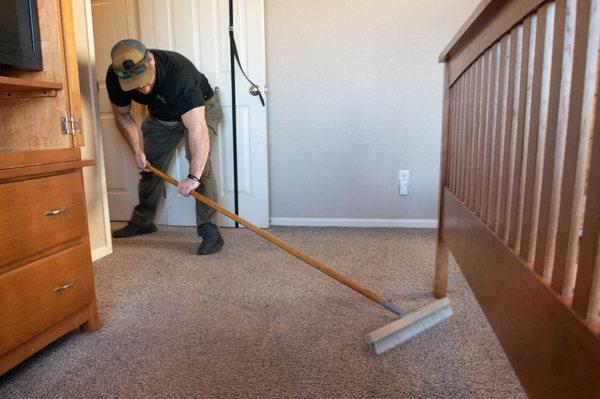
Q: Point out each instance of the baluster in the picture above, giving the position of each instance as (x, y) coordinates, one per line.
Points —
(529, 220)
(542, 262)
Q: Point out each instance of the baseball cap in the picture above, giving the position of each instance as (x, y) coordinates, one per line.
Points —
(131, 64)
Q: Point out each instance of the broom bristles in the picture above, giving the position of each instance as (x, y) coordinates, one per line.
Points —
(400, 331)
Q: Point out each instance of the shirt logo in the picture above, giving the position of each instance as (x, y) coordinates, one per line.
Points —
(161, 98)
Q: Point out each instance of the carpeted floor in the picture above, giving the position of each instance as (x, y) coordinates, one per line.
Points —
(254, 322)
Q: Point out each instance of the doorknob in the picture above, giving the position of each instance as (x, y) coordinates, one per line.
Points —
(255, 91)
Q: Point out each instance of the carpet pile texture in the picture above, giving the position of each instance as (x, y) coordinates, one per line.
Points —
(254, 322)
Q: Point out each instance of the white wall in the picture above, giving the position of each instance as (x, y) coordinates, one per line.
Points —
(355, 94)
(94, 177)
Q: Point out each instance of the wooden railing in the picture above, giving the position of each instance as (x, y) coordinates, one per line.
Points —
(520, 183)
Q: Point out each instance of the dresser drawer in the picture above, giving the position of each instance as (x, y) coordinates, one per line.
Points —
(40, 213)
(36, 296)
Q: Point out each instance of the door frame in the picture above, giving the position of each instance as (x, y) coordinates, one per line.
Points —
(90, 119)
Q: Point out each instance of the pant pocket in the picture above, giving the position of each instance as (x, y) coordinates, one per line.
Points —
(214, 114)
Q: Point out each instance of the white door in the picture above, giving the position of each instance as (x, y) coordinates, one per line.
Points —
(198, 29)
(114, 20)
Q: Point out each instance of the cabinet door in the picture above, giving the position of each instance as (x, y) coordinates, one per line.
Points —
(31, 119)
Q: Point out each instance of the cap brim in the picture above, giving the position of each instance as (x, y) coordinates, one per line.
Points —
(137, 80)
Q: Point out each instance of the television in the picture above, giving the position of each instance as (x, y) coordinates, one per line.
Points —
(20, 35)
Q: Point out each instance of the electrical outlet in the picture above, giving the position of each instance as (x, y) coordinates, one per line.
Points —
(404, 174)
(403, 187)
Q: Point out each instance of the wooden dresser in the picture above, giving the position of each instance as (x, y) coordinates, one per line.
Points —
(46, 277)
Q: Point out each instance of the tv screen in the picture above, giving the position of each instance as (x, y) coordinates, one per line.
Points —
(20, 35)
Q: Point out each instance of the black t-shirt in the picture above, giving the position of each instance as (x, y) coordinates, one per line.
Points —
(179, 87)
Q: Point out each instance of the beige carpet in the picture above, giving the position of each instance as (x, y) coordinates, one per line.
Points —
(254, 322)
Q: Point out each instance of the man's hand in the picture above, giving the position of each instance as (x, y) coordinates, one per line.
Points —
(186, 186)
(141, 162)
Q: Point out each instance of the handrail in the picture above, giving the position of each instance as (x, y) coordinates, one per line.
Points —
(474, 19)
(490, 20)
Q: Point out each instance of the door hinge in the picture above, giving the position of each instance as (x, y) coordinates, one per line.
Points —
(70, 125)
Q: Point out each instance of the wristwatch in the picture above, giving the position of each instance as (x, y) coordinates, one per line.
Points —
(191, 176)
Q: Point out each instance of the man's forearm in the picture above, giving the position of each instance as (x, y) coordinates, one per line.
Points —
(129, 130)
(199, 143)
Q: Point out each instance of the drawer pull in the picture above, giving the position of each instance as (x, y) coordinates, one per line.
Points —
(55, 212)
(66, 286)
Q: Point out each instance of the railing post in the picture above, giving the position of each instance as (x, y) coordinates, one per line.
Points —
(440, 279)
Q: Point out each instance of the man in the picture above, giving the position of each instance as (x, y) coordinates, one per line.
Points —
(182, 105)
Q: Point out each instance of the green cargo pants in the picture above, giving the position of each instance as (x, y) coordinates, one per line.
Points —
(160, 140)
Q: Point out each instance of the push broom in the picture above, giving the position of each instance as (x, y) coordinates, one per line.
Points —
(383, 339)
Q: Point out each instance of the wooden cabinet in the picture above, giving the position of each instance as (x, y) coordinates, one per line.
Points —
(46, 276)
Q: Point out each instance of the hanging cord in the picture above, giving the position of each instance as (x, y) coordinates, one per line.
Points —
(233, 113)
(254, 90)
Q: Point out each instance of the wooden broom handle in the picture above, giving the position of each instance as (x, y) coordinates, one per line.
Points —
(279, 242)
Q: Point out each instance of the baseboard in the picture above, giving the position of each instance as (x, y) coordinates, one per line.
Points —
(100, 253)
(342, 222)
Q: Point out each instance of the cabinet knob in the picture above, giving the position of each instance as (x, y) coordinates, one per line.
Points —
(55, 212)
(66, 286)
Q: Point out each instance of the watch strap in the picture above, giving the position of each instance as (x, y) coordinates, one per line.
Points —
(191, 176)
